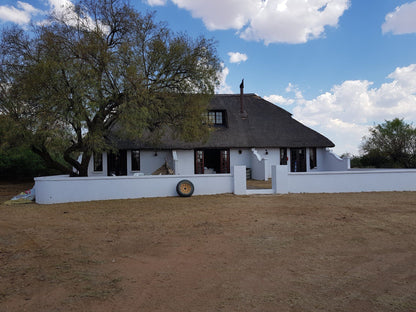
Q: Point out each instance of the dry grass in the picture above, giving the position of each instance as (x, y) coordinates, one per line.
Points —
(306, 252)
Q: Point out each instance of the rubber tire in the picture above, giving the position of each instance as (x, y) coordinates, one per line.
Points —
(185, 188)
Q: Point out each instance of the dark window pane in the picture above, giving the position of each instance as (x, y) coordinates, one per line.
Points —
(283, 156)
(135, 160)
(312, 157)
(98, 162)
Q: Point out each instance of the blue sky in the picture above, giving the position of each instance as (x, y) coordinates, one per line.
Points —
(339, 66)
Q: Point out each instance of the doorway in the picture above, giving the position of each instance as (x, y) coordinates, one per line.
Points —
(298, 159)
(212, 161)
(117, 163)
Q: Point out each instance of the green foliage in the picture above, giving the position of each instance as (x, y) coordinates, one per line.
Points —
(21, 162)
(66, 84)
(391, 144)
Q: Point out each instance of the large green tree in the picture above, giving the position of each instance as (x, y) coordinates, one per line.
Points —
(390, 144)
(66, 84)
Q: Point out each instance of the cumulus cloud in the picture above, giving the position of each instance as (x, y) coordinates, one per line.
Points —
(21, 14)
(220, 14)
(279, 100)
(237, 57)
(223, 88)
(345, 113)
(294, 21)
(290, 21)
(402, 20)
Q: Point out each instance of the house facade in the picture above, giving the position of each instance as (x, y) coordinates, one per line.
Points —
(248, 130)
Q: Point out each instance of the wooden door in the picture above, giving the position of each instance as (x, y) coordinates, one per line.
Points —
(199, 162)
(224, 161)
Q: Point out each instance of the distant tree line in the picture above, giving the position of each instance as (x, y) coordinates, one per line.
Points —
(391, 144)
(21, 163)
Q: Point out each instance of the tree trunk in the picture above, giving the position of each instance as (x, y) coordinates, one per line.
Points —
(49, 161)
(83, 167)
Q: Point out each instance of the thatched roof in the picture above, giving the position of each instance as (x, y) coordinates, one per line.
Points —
(266, 125)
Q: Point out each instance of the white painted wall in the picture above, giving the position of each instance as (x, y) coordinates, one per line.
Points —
(64, 189)
(243, 159)
(185, 165)
(261, 169)
(345, 181)
(150, 162)
(239, 180)
(328, 161)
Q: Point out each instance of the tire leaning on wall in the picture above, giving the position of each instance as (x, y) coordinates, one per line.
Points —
(185, 188)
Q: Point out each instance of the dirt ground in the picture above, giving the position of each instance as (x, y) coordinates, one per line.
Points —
(304, 252)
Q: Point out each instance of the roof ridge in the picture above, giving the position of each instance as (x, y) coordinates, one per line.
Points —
(235, 94)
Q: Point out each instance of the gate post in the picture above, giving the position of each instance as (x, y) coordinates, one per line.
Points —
(240, 180)
(280, 179)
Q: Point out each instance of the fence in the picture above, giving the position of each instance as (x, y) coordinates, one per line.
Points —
(344, 181)
(62, 189)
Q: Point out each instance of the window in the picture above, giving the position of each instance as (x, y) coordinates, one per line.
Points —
(216, 118)
(135, 160)
(283, 156)
(98, 161)
(312, 157)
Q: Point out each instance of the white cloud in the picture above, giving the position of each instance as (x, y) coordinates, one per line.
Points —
(237, 57)
(21, 14)
(223, 88)
(290, 21)
(63, 9)
(220, 14)
(294, 21)
(402, 20)
(345, 113)
(156, 2)
(279, 100)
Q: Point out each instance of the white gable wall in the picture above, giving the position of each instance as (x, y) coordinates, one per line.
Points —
(328, 161)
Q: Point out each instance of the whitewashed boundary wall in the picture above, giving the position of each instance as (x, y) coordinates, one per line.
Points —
(345, 181)
(64, 189)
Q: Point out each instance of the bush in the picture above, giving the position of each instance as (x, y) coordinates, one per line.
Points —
(20, 162)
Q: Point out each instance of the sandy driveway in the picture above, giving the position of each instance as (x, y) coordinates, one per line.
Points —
(340, 252)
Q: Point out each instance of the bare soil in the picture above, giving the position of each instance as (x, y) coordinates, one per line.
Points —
(304, 252)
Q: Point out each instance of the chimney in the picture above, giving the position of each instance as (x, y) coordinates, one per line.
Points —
(242, 96)
(243, 113)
